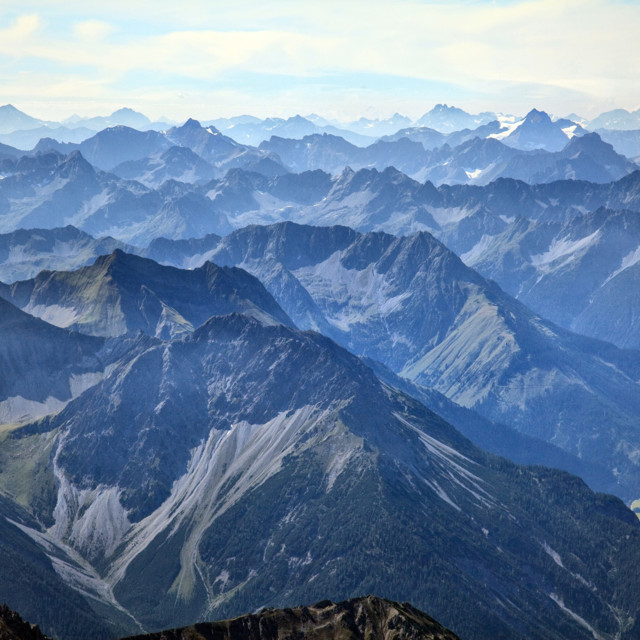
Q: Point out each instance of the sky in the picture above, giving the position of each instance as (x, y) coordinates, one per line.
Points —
(340, 59)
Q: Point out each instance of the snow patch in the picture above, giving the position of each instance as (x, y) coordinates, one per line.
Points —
(507, 128)
(472, 175)
(570, 132)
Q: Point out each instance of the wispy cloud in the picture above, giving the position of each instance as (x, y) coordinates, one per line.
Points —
(503, 53)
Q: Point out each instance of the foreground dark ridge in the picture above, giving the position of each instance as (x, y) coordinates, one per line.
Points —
(367, 618)
(13, 627)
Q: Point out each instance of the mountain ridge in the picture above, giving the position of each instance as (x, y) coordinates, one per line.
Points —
(413, 305)
(357, 619)
(123, 292)
(294, 473)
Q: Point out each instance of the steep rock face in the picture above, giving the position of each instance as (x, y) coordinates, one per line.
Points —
(577, 273)
(232, 370)
(121, 293)
(43, 367)
(413, 305)
(537, 131)
(359, 619)
(251, 465)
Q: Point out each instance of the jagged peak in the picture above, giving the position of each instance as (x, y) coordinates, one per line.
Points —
(235, 322)
(118, 257)
(191, 123)
(536, 116)
(590, 139)
(74, 164)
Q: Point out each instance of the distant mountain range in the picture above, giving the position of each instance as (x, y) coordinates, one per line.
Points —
(50, 189)
(23, 131)
(508, 230)
(250, 364)
(534, 149)
(474, 161)
(67, 189)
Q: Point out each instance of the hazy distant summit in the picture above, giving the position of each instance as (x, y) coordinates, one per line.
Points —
(442, 117)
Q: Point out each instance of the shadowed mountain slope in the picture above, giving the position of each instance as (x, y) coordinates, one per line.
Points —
(249, 465)
(42, 366)
(120, 293)
(411, 304)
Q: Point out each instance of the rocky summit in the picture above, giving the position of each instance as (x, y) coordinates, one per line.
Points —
(368, 618)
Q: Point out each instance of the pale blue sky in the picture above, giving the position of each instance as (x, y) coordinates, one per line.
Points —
(343, 59)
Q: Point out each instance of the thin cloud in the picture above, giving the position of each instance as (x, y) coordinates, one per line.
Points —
(92, 30)
(570, 45)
